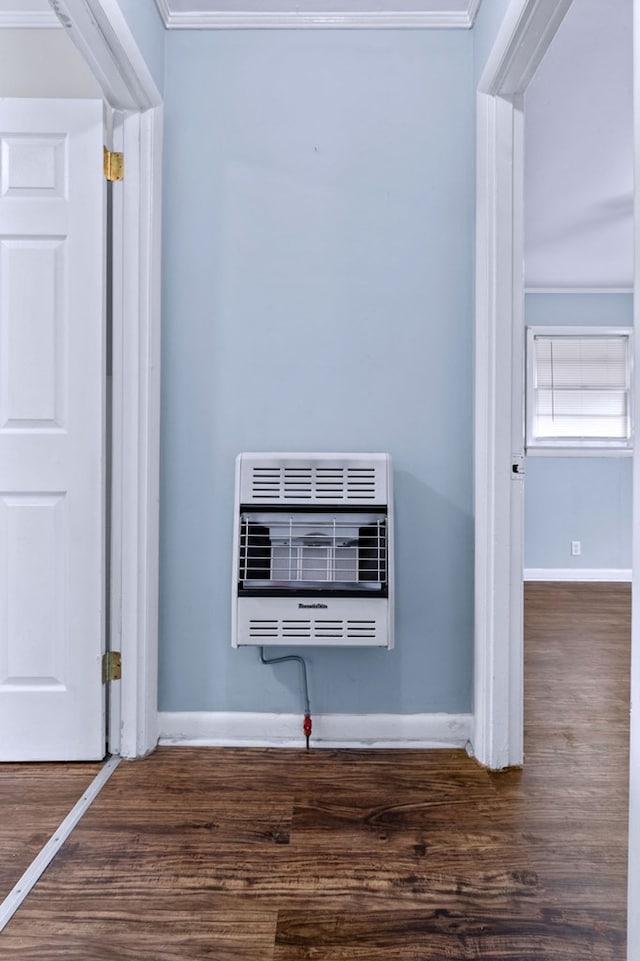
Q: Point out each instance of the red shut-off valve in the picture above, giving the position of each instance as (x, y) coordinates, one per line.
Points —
(306, 727)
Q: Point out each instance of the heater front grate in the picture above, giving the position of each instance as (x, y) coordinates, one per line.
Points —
(319, 551)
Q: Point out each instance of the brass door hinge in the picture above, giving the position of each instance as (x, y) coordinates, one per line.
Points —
(113, 165)
(111, 666)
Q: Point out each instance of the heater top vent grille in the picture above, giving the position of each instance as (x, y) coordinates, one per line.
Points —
(320, 479)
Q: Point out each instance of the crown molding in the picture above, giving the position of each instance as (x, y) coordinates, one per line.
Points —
(292, 19)
(245, 19)
(28, 19)
(472, 11)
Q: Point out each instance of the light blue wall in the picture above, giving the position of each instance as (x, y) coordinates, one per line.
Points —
(318, 225)
(579, 309)
(578, 498)
(148, 30)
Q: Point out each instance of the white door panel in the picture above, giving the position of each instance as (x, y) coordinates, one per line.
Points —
(51, 430)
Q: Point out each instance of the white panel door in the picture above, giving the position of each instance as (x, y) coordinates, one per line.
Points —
(52, 376)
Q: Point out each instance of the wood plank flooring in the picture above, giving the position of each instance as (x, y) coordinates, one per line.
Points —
(257, 855)
(34, 800)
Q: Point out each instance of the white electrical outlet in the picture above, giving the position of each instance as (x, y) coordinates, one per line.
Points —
(575, 548)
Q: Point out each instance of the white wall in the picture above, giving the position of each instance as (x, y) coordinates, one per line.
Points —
(43, 63)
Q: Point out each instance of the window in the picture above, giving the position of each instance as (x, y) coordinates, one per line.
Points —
(579, 388)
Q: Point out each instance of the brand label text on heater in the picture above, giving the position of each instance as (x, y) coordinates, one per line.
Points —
(312, 605)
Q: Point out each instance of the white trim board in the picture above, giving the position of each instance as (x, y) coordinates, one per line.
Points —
(578, 290)
(245, 729)
(319, 18)
(100, 31)
(28, 19)
(606, 575)
(525, 34)
(633, 861)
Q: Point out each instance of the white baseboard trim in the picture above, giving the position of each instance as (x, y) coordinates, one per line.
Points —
(605, 574)
(243, 729)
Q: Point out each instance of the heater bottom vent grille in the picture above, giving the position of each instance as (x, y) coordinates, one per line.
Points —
(288, 621)
(304, 629)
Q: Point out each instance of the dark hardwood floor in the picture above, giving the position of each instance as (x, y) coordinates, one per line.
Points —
(258, 855)
(34, 800)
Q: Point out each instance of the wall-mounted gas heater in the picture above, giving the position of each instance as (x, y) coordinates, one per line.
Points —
(313, 550)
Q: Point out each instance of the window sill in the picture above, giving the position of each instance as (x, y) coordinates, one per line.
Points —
(578, 452)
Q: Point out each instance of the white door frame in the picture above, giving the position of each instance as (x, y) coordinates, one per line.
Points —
(101, 33)
(525, 34)
(633, 864)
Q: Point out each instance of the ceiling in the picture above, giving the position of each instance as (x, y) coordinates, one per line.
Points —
(579, 153)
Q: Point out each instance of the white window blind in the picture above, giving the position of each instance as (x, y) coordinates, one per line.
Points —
(579, 387)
